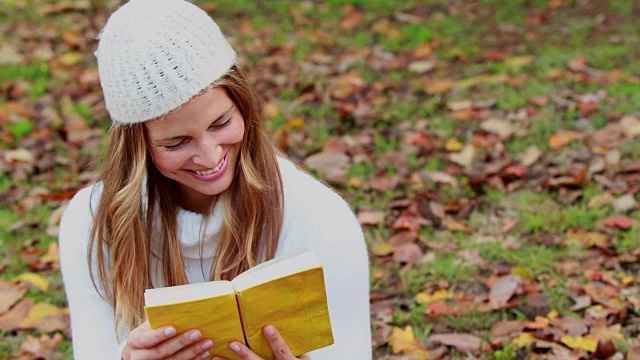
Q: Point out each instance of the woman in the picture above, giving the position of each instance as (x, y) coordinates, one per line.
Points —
(192, 190)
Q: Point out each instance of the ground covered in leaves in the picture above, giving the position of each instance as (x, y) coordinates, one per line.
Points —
(491, 150)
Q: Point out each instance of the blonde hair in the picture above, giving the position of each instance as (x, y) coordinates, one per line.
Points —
(121, 246)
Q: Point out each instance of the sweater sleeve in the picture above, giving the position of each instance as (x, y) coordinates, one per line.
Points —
(340, 244)
(92, 320)
(318, 219)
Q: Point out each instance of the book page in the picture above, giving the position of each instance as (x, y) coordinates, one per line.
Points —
(275, 268)
(189, 292)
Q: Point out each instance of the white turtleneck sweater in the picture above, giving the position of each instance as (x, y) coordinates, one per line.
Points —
(315, 219)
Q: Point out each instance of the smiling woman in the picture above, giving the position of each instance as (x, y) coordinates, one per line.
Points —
(199, 155)
(193, 190)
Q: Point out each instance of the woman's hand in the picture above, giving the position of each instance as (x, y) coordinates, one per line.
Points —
(162, 343)
(279, 347)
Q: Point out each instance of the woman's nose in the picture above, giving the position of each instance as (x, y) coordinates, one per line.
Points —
(208, 153)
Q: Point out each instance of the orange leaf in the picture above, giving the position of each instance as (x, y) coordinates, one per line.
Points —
(564, 137)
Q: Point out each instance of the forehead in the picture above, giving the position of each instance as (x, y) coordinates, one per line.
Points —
(193, 115)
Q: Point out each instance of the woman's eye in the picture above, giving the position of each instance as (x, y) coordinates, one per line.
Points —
(174, 146)
(221, 124)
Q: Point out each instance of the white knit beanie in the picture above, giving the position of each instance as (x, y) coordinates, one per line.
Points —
(155, 55)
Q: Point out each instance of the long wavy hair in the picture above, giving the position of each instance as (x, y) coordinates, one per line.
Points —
(135, 195)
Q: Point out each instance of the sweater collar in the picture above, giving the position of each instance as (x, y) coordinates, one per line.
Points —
(191, 228)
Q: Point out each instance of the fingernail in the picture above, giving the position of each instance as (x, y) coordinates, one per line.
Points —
(204, 355)
(235, 347)
(269, 330)
(169, 331)
(207, 344)
(194, 334)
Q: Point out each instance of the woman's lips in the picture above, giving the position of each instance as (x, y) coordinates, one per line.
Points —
(214, 173)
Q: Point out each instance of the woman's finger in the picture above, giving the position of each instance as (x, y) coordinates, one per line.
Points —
(143, 337)
(177, 347)
(199, 350)
(278, 345)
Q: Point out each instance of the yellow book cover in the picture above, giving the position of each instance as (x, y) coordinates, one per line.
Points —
(287, 292)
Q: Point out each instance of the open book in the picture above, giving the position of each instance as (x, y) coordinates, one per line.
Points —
(287, 292)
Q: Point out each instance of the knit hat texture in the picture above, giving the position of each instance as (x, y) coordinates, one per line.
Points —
(155, 55)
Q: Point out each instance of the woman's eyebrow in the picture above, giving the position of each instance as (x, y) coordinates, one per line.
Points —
(216, 119)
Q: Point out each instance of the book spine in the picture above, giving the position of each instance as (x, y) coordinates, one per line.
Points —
(244, 329)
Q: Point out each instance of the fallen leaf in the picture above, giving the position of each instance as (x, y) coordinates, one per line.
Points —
(600, 200)
(530, 156)
(368, 216)
(409, 254)
(328, 163)
(588, 239)
(43, 347)
(579, 342)
(631, 125)
(463, 342)
(519, 61)
(438, 86)
(9, 295)
(507, 328)
(402, 341)
(500, 127)
(425, 298)
(455, 225)
(422, 66)
(10, 320)
(20, 155)
(464, 157)
(353, 18)
(381, 248)
(33, 280)
(605, 349)
(625, 203)
(382, 334)
(46, 317)
(503, 289)
(525, 339)
(618, 222)
(564, 137)
(52, 256)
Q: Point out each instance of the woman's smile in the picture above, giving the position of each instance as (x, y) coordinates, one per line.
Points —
(211, 174)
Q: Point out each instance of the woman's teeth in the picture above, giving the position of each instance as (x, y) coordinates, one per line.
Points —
(211, 171)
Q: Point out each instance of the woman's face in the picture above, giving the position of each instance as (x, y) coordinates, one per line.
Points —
(198, 146)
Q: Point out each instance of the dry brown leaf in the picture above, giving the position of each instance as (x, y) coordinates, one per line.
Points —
(503, 289)
(625, 203)
(631, 126)
(328, 163)
(463, 342)
(600, 200)
(45, 317)
(500, 127)
(10, 320)
(409, 254)
(530, 156)
(438, 86)
(464, 157)
(368, 216)
(43, 347)
(9, 295)
(353, 18)
(507, 328)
